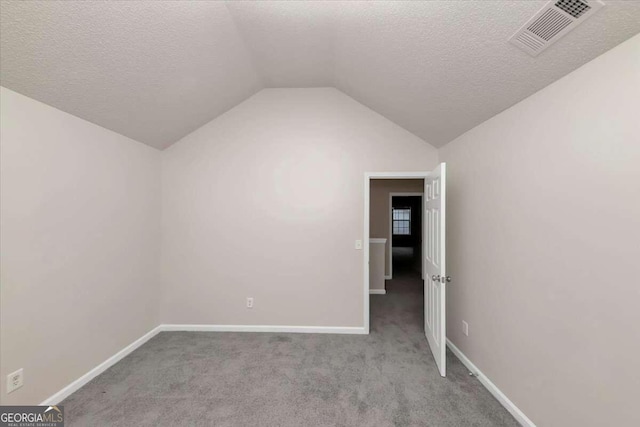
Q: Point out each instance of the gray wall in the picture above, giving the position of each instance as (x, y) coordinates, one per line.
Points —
(80, 220)
(543, 244)
(266, 202)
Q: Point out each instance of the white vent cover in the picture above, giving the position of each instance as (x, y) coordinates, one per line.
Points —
(552, 22)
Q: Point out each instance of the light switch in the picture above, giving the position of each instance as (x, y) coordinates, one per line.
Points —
(358, 244)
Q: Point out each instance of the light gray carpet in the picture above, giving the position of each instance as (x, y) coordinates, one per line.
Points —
(387, 378)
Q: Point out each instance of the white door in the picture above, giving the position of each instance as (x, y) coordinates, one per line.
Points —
(434, 269)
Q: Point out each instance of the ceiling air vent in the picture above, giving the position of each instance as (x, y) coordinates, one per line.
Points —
(552, 22)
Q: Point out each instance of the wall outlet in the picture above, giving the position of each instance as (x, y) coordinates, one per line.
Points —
(249, 302)
(358, 244)
(14, 380)
(465, 328)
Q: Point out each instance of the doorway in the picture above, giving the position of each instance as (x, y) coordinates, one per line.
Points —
(379, 201)
(433, 257)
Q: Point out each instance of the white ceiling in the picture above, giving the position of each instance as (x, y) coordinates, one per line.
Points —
(157, 70)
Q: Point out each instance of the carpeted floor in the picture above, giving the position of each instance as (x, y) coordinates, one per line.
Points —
(387, 378)
(406, 259)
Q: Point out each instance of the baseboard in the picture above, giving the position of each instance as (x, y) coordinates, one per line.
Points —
(80, 382)
(377, 291)
(267, 328)
(493, 389)
(388, 277)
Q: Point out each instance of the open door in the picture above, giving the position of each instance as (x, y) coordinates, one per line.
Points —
(435, 278)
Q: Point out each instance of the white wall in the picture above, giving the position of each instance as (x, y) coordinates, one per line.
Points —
(267, 200)
(376, 264)
(544, 246)
(80, 245)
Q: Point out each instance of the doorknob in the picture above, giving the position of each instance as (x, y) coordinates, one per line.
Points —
(448, 278)
(435, 278)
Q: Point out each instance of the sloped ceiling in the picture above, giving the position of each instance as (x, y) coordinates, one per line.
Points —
(157, 70)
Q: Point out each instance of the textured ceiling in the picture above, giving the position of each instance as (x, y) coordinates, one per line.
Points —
(157, 70)
(151, 70)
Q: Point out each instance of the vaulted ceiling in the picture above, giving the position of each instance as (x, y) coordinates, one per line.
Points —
(157, 70)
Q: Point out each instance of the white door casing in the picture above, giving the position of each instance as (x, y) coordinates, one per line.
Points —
(435, 266)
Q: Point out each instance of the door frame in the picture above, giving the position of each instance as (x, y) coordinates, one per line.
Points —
(403, 194)
(368, 176)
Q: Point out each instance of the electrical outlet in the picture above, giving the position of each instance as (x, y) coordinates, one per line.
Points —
(14, 380)
(249, 302)
(465, 328)
(358, 244)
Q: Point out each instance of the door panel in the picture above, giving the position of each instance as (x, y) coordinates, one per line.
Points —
(435, 262)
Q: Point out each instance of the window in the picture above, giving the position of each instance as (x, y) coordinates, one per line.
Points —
(402, 221)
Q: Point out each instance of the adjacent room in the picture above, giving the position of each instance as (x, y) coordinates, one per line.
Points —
(320, 213)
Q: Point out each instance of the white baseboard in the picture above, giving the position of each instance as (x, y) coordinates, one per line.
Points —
(493, 389)
(77, 384)
(267, 328)
(377, 291)
(388, 277)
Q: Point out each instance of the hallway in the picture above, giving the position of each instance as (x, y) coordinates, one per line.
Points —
(406, 260)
